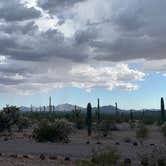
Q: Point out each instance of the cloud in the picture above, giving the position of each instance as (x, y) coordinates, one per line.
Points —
(84, 76)
(88, 45)
(14, 10)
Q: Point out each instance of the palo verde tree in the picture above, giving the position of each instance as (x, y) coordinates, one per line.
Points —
(162, 110)
(89, 118)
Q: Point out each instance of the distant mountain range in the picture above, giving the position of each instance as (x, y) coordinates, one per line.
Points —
(61, 107)
(69, 107)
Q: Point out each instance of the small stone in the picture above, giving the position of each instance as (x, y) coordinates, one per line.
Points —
(42, 157)
(87, 142)
(27, 156)
(53, 157)
(6, 139)
(98, 143)
(13, 155)
(67, 159)
(144, 162)
(127, 161)
(117, 143)
(152, 144)
(135, 143)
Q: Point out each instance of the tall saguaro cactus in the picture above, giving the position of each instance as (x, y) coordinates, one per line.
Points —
(98, 111)
(131, 115)
(50, 106)
(89, 119)
(116, 108)
(162, 110)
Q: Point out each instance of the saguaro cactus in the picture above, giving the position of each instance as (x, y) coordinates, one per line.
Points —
(76, 116)
(89, 118)
(162, 110)
(116, 108)
(98, 111)
(131, 115)
(31, 108)
(50, 106)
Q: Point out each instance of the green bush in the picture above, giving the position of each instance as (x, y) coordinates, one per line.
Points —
(58, 131)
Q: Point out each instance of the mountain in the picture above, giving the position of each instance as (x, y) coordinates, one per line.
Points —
(109, 109)
(66, 107)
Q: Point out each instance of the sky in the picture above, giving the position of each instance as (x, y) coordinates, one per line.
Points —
(79, 50)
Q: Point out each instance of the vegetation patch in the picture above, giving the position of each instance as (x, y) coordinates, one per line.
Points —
(58, 131)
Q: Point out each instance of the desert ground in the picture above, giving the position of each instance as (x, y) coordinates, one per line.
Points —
(20, 149)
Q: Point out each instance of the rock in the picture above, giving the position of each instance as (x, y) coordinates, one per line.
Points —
(28, 156)
(135, 143)
(67, 159)
(127, 161)
(127, 140)
(42, 157)
(6, 139)
(98, 143)
(14, 155)
(144, 162)
(87, 142)
(117, 143)
(152, 144)
(53, 157)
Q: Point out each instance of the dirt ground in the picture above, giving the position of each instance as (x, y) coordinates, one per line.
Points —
(14, 151)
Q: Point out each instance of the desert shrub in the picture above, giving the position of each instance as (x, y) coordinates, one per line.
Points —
(23, 123)
(104, 127)
(85, 163)
(132, 124)
(80, 124)
(148, 120)
(142, 131)
(157, 157)
(163, 129)
(58, 131)
(100, 159)
(113, 126)
(8, 117)
(106, 158)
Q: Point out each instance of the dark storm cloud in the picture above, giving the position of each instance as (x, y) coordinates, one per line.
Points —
(13, 10)
(85, 36)
(57, 5)
(26, 42)
(140, 29)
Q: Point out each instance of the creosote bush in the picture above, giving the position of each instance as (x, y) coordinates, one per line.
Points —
(58, 131)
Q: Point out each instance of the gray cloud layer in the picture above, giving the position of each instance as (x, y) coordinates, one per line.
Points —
(105, 33)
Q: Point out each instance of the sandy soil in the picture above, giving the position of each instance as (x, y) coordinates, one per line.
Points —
(77, 148)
